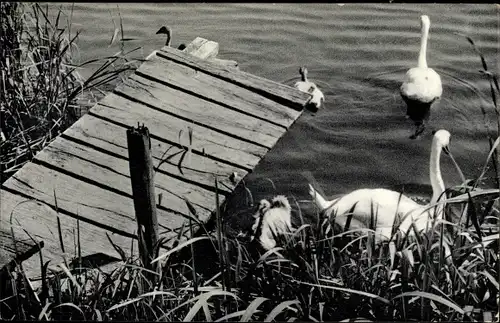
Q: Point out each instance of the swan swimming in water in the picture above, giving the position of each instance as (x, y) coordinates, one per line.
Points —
(272, 219)
(386, 204)
(168, 31)
(421, 85)
(307, 86)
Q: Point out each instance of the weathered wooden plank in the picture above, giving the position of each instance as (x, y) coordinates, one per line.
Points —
(40, 221)
(281, 93)
(8, 249)
(200, 111)
(202, 48)
(107, 137)
(229, 63)
(162, 125)
(232, 96)
(113, 172)
(109, 210)
(19, 257)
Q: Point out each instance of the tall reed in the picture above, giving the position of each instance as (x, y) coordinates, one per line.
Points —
(40, 82)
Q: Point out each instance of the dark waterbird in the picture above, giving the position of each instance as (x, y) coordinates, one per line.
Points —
(168, 31)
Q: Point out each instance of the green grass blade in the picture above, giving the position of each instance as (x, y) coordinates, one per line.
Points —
(252, 308)
(280, 308)
(433, 297)
(179, 247)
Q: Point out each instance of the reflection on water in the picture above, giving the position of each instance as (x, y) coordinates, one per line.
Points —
(357, 54)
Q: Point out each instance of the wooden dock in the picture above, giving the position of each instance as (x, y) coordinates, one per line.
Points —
(235, 119)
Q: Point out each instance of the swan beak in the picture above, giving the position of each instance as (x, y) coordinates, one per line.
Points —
(447, 152)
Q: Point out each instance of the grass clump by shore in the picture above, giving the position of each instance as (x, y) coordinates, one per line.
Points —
(316, 274)
(40, 83)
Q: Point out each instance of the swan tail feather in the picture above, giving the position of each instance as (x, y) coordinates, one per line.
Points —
(318, 199)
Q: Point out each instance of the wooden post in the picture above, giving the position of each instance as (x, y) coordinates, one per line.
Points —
(143, 190)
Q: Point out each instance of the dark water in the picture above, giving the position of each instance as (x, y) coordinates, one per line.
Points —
(357, 54)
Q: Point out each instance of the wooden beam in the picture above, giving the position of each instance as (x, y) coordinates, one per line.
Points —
(278, 92)
(93, 134)
(194, 109)
(143, 190)
(198, 82)
(175, 130)
(225, 62)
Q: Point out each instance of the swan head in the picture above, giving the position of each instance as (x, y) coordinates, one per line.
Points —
(442, 138)
(425, 21)
(164, 30)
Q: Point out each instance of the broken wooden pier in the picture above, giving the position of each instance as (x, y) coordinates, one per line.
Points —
(82, 179)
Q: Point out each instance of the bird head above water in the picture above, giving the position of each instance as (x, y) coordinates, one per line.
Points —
(425, 21)
(166, 30)
(442, 138)
(303, 73)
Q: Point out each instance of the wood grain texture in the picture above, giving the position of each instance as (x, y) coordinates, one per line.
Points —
(199, 111)
(168, 127)
(229, 63)
(282, 93)
(8, 249)
(110, 139)
(111, 172)
(110, 210)
(40, 221)
(142, 176)
(197, 82)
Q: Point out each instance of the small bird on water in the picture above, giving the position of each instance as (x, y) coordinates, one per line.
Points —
(421, 85)
(307, 86)
(166, 30)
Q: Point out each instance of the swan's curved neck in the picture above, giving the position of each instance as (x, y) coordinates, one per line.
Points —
(435, 175)
(169, 38)
(422, 60)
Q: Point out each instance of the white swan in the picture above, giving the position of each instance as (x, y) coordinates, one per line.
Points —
(272, 219)
(168, 31)
(388, 204)
(307, 86)
(421, 85)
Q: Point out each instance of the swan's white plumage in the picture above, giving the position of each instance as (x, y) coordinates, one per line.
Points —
(389, 205)
(274, 218)
(307, 86)
(422, 84)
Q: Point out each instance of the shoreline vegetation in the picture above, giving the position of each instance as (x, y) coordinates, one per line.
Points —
(316, 274)
(42, 91)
